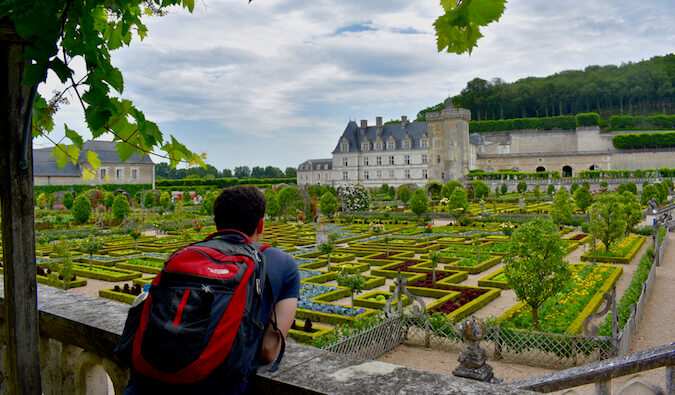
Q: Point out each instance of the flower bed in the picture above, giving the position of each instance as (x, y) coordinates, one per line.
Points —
(579, 238)
(621, 251)
(377, 299)
(496, 279)
(470, 262)
(144, 265)
(565, 311)
(466, 300)
(495, 248)
(105, 273)
(417, 270)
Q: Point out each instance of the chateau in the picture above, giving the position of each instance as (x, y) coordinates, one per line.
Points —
(441, 149)
(135, 170)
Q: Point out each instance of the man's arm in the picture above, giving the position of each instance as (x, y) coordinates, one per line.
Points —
(271, 345)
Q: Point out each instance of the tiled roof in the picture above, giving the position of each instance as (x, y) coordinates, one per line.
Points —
(316, 164)
(353, 134)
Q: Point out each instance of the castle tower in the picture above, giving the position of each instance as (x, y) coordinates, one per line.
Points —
(448, 132)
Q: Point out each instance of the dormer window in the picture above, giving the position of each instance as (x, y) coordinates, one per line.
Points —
(391, 145)
(344, 146)
(365, 146)
(424, 143)
(406, 144)
(378, 146)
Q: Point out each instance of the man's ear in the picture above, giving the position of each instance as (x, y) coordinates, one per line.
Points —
(261, 225)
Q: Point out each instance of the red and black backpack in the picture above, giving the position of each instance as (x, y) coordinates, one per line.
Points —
(202, 315)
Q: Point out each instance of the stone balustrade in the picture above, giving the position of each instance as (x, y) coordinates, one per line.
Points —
(78, 334)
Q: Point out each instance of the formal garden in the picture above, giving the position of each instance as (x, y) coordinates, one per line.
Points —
(459, 250)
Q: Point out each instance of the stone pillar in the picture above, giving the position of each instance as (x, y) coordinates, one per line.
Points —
(472, 358)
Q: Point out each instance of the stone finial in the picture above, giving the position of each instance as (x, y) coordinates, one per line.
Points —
(472, 359)
(448, 104)
(404, 121)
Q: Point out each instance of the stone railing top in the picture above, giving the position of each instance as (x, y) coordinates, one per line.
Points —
(96, 324)
(601, 371)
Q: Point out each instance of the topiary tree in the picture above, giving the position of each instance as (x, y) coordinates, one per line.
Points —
(419, 203)
(91, 246)
(561, 209)
(608, 219)
(328, 204)
(505, 189)
(434, 257)
(165, 201)
(583, 198)
(632, 209)
(355, 282)
(434, 189)
(68, 200)
(449, 187)
(574, 187)
(649, 192)
(480, 189)
(290, 200)
(403, 194)
(42, 200)
(120, 207)
(550, 189)
(326, 249)
(537, 192)
(521, 187)
(534, 264)
(108, 199)
(81, 209)
(149, 199)
(458, 203)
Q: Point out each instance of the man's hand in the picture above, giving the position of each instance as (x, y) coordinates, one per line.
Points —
(285, 314)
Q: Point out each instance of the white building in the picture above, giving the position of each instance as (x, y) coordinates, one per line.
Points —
(316, 172)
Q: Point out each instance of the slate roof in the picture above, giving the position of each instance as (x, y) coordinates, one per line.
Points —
(316, 164)
(44, 165)
(353, 134)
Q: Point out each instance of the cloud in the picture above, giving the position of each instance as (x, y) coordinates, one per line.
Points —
(274, 82)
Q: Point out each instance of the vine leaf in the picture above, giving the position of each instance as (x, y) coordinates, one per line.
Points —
(458, 30)
(63, 153)
(73, 136)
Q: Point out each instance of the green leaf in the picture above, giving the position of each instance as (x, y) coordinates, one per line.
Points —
(73, 136)
(42, 116)
(190, 4)
(482, 12)
(35, 73)
(61, 69)
(92, 158)
(125, 150)
(63, 153)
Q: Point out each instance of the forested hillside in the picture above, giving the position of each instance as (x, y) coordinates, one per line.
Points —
(642, 88)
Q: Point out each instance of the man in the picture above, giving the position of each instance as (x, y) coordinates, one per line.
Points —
(242, 209)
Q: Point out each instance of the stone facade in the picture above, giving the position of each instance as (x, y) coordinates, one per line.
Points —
(135, 170)
(442, 149)
(316, 172)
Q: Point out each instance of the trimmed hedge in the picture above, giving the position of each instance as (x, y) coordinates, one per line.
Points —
(644, 140)
(627, 122)
(73, 284)
(220, 183)
(305, 337)
(123, 275)
(588, 119)
(588, 256)
(117, 296)
(132, 189)
(488, 281)
(576, 326)
(567, 122)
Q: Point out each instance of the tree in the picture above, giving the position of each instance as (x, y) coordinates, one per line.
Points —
(561, 209)
(326, 249)
(434, 257)
(290, 199)
(505, 189)
(537, 192)
(434, 189)
(521, 187)
(291, 172)
(534, 264)
(449, 187)
(583, 198)
(91, 246)
(149, 199)
(649, 192)
(550, 189)
(403, 194)
(355, 282)
(608, 219)
(108, 199)
(41, 200)
(257, 172)
(632, 209)
(165, 201)
(207, 203)
(480, 189)
(458, 203)
(328, 204)
(574, 188)
(419, 203)
(227, 173)
(273, 208)
(242, 172)
(120, 207)
(68, 200)
(81, 209)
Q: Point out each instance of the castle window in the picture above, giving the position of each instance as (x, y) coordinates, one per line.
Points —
(438, 159)
(119, 173)
(134, 174)
(391, 145)
(344, 146)
(345, 162)
(424, 173)
(425, 158)
(102, 174)
(407, 173)
(366, 175)
(391, 174)
(379, 174)
(365, 161)
(424, 143)
(406, 144)
(379, 160)
(345, 175)
(407, 159)
(378, 146)
(365, 146)
(391, 160)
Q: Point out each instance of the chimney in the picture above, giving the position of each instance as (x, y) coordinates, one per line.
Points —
(378, 124)
(404, 121)
(364, 125)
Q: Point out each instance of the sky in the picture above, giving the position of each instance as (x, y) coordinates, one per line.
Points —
(275, 82)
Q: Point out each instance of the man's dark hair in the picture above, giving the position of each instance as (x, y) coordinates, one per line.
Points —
(240, 208)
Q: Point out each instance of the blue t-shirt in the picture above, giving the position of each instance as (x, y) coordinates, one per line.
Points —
(284, 279)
